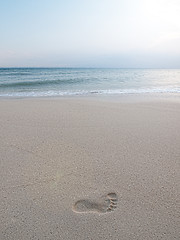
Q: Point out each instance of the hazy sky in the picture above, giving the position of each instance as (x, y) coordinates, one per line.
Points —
(90, 33)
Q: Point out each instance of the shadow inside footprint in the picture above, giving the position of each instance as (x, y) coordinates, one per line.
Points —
(106, 203)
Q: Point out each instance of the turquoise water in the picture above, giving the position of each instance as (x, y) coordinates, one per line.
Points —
(36, 82)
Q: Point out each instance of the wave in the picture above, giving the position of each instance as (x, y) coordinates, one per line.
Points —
(41, 83)
(86, 92)
(15, 74)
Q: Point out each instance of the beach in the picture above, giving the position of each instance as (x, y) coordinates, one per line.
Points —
(90, 168)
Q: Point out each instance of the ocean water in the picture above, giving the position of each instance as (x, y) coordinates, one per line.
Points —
(37, 82)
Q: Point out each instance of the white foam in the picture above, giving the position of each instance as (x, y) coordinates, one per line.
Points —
(90, 92)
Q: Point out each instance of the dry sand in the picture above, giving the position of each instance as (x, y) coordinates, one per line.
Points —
(89, 168)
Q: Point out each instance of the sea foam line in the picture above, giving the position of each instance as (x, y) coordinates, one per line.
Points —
(90, 92)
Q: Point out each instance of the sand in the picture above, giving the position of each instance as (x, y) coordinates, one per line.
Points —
(90, 168)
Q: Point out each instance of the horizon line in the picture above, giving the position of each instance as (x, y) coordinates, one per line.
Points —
(88, 68)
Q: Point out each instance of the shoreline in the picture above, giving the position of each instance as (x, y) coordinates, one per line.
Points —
(121, 96)
(90, 168)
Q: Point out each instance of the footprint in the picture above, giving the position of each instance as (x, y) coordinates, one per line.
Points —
(105, 204)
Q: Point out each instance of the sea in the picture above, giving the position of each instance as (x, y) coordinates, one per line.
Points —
(53, 82)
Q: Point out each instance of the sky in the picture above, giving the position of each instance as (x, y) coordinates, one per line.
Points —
(90, 33)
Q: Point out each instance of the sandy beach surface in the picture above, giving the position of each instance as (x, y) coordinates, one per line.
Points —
(90, 168)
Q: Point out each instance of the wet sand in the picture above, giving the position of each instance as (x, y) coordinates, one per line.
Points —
(90, 168)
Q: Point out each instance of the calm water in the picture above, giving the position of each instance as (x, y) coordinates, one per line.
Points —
(36, 82)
